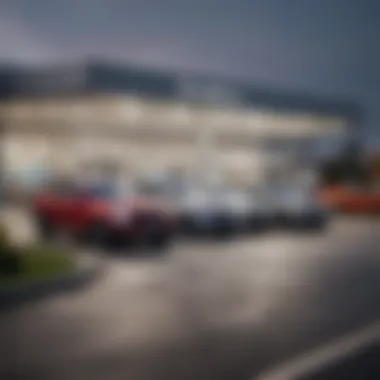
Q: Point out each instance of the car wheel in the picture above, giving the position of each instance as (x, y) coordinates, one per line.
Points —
(224, 231)
(46, 229)
(319, 224)
(258, 224)
(161, 241)
(98, 234)
(187, 225)
(157, 237)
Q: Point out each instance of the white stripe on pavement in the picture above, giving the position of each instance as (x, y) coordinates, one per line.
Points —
(325, 355)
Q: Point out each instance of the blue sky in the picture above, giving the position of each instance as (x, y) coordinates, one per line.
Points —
(322, 46)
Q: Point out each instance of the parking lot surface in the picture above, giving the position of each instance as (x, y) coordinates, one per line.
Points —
(207, 309)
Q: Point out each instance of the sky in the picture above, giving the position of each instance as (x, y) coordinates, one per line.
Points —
(327, 47)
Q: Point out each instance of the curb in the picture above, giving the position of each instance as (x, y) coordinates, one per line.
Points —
(13, 296)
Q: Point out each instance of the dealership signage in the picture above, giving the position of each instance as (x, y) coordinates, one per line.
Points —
(208, 92)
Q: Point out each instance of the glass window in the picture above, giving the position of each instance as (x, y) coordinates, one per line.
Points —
(102, 191)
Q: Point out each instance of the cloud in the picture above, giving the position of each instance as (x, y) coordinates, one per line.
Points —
(20, 43)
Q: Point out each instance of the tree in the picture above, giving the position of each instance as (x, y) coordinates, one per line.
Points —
(350, 166)
(375, 168)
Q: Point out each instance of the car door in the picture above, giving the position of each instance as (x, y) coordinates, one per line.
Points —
(53, 203)
(64, 205)
(79, 210)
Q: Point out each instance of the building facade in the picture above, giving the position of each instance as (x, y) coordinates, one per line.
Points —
(57, 119)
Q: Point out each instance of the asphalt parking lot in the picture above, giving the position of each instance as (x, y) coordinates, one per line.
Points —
(206, 309)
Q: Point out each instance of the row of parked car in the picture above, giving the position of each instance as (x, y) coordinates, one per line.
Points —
(153, 212)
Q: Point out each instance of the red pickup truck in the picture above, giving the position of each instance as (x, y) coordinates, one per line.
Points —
(103, 215)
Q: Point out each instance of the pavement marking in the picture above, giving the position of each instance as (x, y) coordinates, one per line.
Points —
(325, 355)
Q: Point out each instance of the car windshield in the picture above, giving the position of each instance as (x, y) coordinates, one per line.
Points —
(110, 191)
(102, 191)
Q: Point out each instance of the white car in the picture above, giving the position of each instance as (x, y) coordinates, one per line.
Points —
(299, 206)
(208, 211)
(250, 209)
(262, 209)
(209, 207)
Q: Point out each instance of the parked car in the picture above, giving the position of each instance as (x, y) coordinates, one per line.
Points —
(104, 213)
(201, 209)
(262, 210)
(249, 209)
(205, 211)
(299, 206)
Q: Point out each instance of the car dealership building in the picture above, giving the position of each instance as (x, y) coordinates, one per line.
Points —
(58, 118)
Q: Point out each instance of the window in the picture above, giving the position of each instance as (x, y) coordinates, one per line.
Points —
(101, 191)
